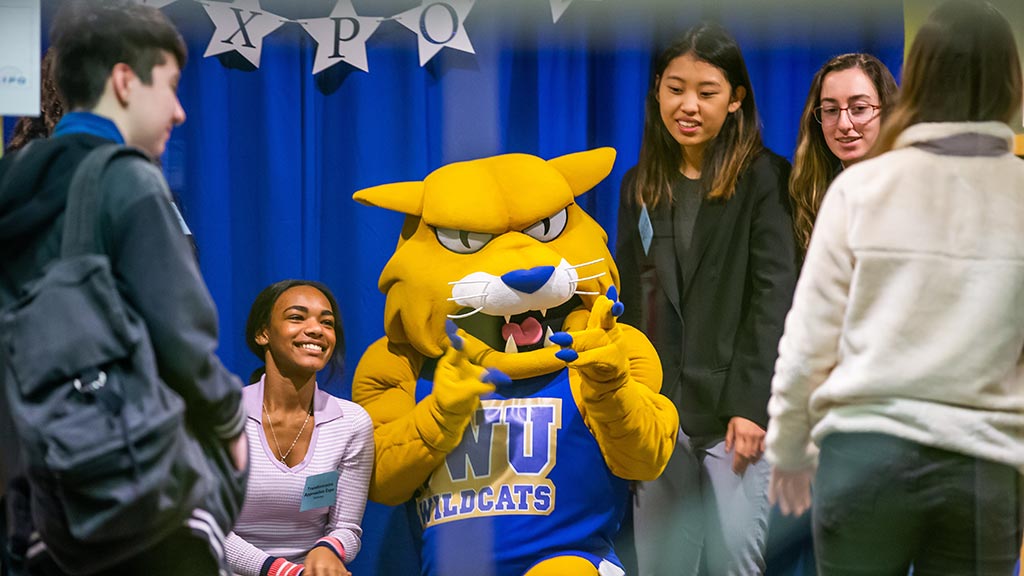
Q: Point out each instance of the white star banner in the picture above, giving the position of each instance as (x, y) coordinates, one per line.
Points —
(438, 24)
(341, 37)
(558, 7)
(241, 26)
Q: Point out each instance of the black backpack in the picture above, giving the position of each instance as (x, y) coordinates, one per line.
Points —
(110, 465)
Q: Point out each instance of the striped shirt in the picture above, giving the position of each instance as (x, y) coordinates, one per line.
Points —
(270, 524)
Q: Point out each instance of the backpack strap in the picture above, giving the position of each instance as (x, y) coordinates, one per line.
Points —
(84, 194)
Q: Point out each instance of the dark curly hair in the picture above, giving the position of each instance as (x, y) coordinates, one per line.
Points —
(29, 128)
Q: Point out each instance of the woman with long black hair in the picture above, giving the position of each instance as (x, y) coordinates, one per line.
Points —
(707, 263)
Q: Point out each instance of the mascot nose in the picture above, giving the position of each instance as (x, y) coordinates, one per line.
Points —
(528, 281)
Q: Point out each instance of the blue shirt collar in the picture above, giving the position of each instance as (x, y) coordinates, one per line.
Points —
(88, 123)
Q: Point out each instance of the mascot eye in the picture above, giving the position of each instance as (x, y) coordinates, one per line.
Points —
(549, 228)
(461, 241)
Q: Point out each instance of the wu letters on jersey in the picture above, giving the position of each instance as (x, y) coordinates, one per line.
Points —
(501, 466)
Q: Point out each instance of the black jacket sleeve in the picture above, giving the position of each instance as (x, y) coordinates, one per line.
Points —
(159, 278)
(625, 253)
(772, 278)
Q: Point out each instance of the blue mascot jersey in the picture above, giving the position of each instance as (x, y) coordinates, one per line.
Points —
(527, 482)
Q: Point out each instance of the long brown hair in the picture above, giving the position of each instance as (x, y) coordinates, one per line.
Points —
(729, 152)
(814, 164)
(962, 67)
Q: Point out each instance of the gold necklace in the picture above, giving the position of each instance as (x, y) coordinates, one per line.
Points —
(270, 421)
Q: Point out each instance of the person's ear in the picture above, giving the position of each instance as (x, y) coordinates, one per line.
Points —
(262, 339)
(657, 88)
(122, 79)
(737, 98)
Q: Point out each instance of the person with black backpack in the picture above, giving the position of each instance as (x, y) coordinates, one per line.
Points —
(123, 448)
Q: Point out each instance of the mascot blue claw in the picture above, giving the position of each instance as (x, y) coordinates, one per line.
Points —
(563, 339)
(453, 334)
(618, 308)
(567, 355)
(496, 377)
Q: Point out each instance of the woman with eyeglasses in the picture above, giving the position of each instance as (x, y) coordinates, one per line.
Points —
(900, 381)
(707, 263)
(849, 96)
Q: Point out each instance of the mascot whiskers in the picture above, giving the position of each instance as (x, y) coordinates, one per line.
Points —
(511, 409)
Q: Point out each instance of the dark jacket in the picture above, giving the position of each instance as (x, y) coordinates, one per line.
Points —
(150, 256)
(716, 314)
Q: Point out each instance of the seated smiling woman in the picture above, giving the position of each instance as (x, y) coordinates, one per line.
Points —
(312, 453)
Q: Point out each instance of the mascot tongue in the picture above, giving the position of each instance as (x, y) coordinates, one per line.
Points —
(527, 332)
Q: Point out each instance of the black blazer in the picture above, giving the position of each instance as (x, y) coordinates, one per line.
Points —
(715, 315)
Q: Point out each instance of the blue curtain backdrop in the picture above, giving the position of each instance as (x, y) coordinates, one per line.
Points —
(268, 159)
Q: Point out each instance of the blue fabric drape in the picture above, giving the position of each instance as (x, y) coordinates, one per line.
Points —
(268, 159)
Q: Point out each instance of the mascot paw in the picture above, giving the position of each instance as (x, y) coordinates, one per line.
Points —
(458, 383)
(595, 352)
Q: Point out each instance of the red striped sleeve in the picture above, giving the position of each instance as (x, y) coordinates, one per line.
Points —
(333, 544)
(282, 567)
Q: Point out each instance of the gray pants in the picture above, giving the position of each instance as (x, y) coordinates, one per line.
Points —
(700, 507)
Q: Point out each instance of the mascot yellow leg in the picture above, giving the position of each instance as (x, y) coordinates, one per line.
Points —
(563, 566)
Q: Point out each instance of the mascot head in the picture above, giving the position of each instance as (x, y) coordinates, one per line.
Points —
(500, 246)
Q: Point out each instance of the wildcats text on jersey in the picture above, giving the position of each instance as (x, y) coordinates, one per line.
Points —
(501, 466)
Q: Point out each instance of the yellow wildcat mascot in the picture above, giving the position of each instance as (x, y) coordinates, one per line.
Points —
(511, 409)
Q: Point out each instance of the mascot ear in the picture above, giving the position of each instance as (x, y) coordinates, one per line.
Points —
(583, 170)
(404, 197)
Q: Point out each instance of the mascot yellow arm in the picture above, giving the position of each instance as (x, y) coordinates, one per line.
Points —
(635, 425)
(411, 439)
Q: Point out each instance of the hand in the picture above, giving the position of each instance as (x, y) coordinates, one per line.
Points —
(238, 448)
(745, 440)
(791, 489)
(594, 352)
(322, 561)
(458, 383)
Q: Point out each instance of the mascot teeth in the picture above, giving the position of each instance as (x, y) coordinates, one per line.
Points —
(547, 338)
(512, 348)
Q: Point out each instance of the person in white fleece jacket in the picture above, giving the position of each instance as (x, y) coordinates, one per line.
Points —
(903, 353)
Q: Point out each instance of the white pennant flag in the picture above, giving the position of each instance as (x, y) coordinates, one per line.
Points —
(558, 7)
(241, 26)
(341, 37)
(438, 24)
